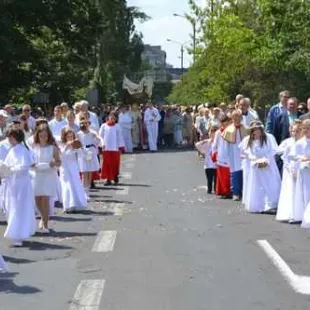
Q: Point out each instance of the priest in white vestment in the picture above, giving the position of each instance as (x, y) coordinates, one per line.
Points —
(125, 121)
(151, 119)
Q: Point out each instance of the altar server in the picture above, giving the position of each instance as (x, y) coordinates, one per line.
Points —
(112, 146)
(263, 182)
(125, 121)
(151, 119)
(287, 210)
(73, 193)
(218, 157)
(19, 196)
(233, 135)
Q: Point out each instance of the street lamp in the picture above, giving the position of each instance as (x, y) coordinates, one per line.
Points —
(182, 52)
(193, 22)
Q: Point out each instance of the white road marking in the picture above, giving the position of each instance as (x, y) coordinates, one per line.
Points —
(105, 241)
(88, 295)
(300, 284)
(126, 175)
(124, 191)
(131, 158)
(117, 208)
(129, 165)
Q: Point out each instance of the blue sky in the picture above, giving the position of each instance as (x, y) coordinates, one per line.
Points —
(163, 25)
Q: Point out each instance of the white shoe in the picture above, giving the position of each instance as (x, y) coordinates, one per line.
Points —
(45, 230)
(17, 243)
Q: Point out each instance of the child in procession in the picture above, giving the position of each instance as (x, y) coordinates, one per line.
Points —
(88, 159)
(112, 146)
(73, 192)
(287, 210)
(302, 156)
(47, 159)
(263, 181)
(19, 195)
(205, 148)
(218, 156)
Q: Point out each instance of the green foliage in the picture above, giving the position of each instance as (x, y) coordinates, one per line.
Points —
(256, 47)
(64, 48)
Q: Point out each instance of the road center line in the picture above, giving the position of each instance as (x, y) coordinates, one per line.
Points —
(105, 241)
(300, 284)
(88, 295)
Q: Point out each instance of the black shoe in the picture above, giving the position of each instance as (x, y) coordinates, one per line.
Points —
(116, 180)
(92, 185)
(107, 183)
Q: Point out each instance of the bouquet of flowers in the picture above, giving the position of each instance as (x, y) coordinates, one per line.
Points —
(5, 171)
(262, 163)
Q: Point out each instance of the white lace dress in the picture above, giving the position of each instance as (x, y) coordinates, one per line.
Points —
(45, 177)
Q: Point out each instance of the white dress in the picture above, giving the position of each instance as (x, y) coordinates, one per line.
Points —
(19, 196)
(88, 159)
(245, 165)
(263, 184)
(151, 119)
(73, 193)
(45, 177)
(302, 196)
(4, 150)
(286, 207)
(125, 121)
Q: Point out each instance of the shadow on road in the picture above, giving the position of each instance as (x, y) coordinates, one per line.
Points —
(16, 260)
(41, 246)
(67, 219)
(8, 286)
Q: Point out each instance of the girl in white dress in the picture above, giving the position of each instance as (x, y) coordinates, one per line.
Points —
(19, 197)
(302, 155)
(286, 207)
(73, 193)
(47, 159)
(263, 181)
(88, 159)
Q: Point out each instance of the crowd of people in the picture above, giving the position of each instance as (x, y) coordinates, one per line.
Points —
(44, 160)
(265, 167)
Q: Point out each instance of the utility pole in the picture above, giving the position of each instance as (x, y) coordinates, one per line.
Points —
(182, 59)
(193, 22)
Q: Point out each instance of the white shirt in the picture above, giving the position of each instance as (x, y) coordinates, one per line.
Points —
(125, 120)
(56, 127)
(247, 119)
(151, 115)
(111, 137)
(31, 123)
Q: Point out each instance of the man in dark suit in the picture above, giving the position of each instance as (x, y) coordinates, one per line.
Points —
(307, 115)
(282, 126)
(276, 110)
(284, 120)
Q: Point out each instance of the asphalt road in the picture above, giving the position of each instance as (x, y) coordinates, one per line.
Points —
(157, 242)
